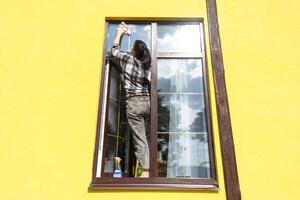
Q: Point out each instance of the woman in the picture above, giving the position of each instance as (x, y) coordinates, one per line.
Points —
(136, 72)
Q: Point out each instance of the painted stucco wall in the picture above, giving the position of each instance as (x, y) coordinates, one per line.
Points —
(261, 47)
(50, 68)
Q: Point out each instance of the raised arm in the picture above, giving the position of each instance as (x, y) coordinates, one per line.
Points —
(119, 32)
(115, 51)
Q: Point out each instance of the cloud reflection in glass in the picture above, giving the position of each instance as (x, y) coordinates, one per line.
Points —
(178, 38)
(138, 32)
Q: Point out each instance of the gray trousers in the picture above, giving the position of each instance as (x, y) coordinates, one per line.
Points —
(138, 116)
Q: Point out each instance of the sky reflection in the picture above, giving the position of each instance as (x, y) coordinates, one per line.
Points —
(138, 32)
(179, 38)
(180, 75)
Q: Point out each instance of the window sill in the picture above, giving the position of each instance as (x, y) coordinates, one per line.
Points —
(153, 184)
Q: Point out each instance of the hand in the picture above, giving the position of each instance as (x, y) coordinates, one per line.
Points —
(121, 30)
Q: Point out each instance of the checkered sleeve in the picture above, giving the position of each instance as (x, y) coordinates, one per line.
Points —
(123, 57)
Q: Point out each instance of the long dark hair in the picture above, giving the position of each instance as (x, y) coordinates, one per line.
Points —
(142, 53)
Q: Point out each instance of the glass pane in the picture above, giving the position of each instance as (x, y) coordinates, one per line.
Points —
(183, 156)
(123, 153)
(178, 38)
(114, 83)
(120, 141)
(110, 153)
(117, 139)
(181, 113)
(162, 154)
(138, 32)
(113, 116)
(124, 129)
(179, 76)
(163, 113)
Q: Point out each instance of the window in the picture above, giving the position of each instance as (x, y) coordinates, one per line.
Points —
(181, 143)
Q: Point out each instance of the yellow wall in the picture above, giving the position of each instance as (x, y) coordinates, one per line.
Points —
(50, 67)
(261, 47)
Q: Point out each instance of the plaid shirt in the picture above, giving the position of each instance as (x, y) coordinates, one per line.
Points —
(136, 78)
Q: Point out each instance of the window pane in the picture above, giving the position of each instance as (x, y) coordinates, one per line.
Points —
(178, 38)
(117, 141)
(114, 83)
(181, 113)
(179, 76)
(113, 116)
(112, 144)
(110, 153)
(123, 153)
(162, 154)
(138, 32)
(182, 133)
(183, 156)
(124, 128)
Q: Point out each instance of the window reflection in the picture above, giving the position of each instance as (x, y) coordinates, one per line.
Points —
(180, 113)
(117, 133)
(111, 143)
(123, 121)
(183, 156)
(113, 116)
(179, 75)
(138, 32)
(182, 132)
(178, 38)
(123, 153)
(114, 83)
(110, 154)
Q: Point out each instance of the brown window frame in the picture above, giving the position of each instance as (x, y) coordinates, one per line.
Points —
(155, 182)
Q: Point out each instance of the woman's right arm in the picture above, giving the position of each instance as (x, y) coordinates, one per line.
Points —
(115, 51)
